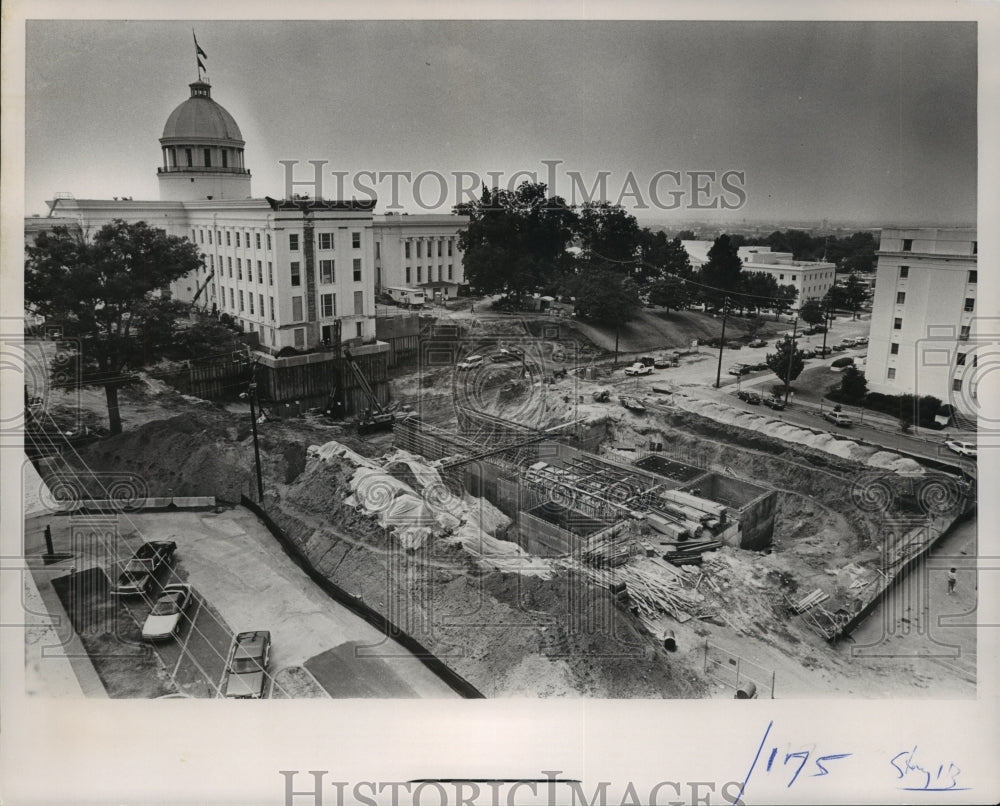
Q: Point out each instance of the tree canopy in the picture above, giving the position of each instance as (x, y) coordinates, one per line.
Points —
(786, 362)
(605, 297)
(516, 240)
(105, 294)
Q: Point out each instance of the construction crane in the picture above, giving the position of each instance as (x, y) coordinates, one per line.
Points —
(202, 287)
(376, 417)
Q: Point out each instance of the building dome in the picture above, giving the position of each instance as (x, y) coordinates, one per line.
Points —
(200, 118)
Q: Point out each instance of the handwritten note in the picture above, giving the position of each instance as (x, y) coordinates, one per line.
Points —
(914, 777)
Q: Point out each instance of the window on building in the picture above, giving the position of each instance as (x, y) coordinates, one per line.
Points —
(239, 269)
(963, 334)
(250, 300)
(780, 276)
(378, 249)
(894, 348)
(450, 246)
(450, 272)
(357, 270)
(225, 158)
(356, 240)
(232, 299)
(326, 271)
(210, 237)
(256, 239)
(359, 329)
(975, 247)
(326, 240)
(268, 236)
(229, 238)
(960, 360)
(956, 385)
(296, 273)
(246, 239)
(897, 323)
(260, 273)
(420, 248)
(891, 373)
(270, 273)
(904, 272)
(420, 274)
(229, 266)
(907, 244)
(270, 305)
(190, 157)
(300, 337)
(359, 303)
(201, 236)
(406, 249)
(208, 157)
(260, 301)
(241, 300)
(293, 241)
(970, 304)
(900, 297)
(407, 274)
(296, 309)
(237, 238)
(327, 305)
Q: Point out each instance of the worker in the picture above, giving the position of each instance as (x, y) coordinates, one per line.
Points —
(952, 580)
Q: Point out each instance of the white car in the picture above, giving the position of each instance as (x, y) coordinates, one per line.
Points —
(962, 448)
(164, 619)
(639, 369)
(472, 362)
(837, 418)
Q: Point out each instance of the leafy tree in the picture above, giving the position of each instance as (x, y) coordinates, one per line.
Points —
(605, 297)
(786, 362)
(516, 240)
(853, 385)
(854, 294)
(671, 292)
(811, 312)
(722, 271)
(759, 288)
(105, 294)
(609, 235)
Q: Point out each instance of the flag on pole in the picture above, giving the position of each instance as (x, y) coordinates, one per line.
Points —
(197, 47)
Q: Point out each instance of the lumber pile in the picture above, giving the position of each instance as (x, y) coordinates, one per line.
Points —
(809, 601)
(688, 552)
(656, 588)
(608, 550)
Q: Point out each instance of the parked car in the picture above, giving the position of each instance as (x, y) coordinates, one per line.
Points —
(838, 418)
(739, 369)
(638, 369)
(838, 348)
(139, 573)
(749, 397)
(757, 343)
(472, 362)
(246, 666)
(164, 619)
(647, 361)
(775, 403)
(507, 354)
(808, 353)
(962, 448)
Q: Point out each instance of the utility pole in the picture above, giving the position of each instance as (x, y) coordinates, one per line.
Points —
(826, 323)
(791, 355)
(722, 341)
(252, 394)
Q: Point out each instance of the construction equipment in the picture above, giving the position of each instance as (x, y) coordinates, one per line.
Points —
(202, 287)
(376, 417)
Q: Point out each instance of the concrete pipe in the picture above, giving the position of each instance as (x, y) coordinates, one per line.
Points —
(669, 642)
(747, 691)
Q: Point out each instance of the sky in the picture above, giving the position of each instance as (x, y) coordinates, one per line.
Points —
(859, 122)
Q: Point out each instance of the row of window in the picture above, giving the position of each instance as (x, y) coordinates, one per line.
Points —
(199, 237)
(327, 272)
(908, 246)
(430, 273)
(430, 248)
(327, 304)
(228, 269)
(956, 383)
(973, 279)
(325, 241)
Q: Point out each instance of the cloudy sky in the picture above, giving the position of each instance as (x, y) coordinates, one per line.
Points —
(866, 122)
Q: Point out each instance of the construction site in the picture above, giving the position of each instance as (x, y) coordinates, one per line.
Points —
(543, 539)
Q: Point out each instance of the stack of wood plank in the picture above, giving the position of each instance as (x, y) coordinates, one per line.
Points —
(809, 601)
(656, 588)
(608, 551)
(688, 552)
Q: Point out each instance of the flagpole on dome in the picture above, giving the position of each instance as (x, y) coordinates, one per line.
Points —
(199, 54)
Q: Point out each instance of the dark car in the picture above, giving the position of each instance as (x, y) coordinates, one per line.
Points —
(139, 573)
(775, 403)
(749, 397)
(246, 667)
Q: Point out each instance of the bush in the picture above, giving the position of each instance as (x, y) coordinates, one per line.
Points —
(902, 407)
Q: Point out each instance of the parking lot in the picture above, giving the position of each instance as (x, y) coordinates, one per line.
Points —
(242, 581)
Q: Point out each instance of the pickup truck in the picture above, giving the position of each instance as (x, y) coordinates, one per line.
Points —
(139, 572)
